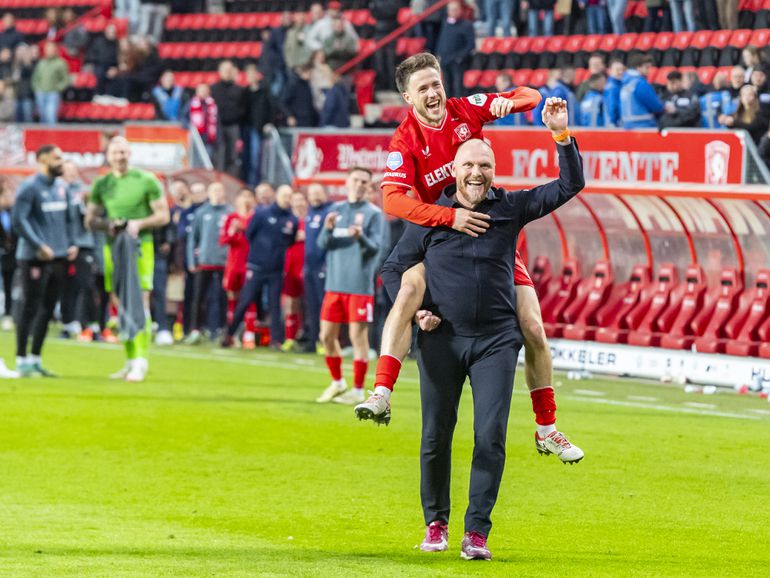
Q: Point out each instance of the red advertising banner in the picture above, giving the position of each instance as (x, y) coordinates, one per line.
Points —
(155, 147)
(629, 157)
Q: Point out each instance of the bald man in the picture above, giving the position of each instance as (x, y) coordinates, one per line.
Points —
(128, 201)
(470, 287)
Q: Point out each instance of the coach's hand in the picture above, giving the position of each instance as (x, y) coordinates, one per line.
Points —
(470, 223)
(501, 107)
(45, 253)
(355, 231)
(554, 115)
(72, 253)
(426, 320)
(330, 221)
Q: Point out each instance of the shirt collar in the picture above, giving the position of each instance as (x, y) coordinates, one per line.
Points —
(446, 200)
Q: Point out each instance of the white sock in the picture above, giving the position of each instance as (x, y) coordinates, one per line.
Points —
(20, 361)
(383, 391)
(33, 359)
(339, 382)
(544, 430)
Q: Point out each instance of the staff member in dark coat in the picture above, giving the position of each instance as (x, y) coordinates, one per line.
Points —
(686, 106)
(455, 43)
(470, 286)
(41, 218)
(230, 103)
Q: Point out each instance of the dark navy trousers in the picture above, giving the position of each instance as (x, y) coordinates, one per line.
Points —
(315, 280)
(252, 293)
(445, 360)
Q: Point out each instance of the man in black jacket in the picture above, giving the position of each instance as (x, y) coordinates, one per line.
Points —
(297, 99)
(230, 103)
(682, 106)
(470, 287)
(260, 114)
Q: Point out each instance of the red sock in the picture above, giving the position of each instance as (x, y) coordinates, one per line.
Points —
(291, 325)
(251, 319)
(359, 372)
(544, 405)
(335, 367)
(388, 368)
(231, 303)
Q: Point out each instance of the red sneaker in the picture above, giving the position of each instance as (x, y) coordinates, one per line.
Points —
(475, 547)
(436, 537)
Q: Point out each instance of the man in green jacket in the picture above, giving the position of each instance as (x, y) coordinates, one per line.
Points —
(49, 80)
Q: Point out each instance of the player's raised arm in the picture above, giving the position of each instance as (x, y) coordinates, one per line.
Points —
(490, 106)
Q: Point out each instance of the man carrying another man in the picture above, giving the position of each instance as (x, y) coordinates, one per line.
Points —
(470, 287)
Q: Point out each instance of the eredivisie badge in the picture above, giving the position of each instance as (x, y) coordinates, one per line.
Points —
(477, 99)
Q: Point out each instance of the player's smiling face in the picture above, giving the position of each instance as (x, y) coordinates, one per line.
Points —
(425, 92)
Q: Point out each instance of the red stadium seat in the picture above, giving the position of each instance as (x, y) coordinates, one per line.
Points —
(747, 341)
(626, 42)
(541, 274)
(617, 304)
(730, 288)
(660, 75)
(571, 51)
(706, 74)
(632, 310)
(760, 38)
(538, 78)
(582, 315)
(664, 306)
(488, 78)
(565, 288)
(681, 335)
(521, 77)
(471, 79)
(645, 42)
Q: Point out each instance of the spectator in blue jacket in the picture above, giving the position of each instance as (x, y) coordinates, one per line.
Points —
(556, 88)
(639, 105)
(336, 110)
(168, 98)
(504, 83)
(593, 112)
(456, 41)
(612, 91)
(716, 103)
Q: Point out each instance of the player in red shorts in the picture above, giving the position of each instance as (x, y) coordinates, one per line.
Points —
(293, 279)
(419, 166)
(352, 237)
(233, 235)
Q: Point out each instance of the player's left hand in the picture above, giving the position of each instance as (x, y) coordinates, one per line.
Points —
(72, 253)
(501, 107)
(133, 228)
(355, 231)
(427, 321)
(554, 114)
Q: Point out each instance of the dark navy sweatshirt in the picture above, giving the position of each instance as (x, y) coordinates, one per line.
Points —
(470, 280)
(315, 257)
(270, 232)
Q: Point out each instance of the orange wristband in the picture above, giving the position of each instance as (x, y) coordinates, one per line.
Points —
(563, 136)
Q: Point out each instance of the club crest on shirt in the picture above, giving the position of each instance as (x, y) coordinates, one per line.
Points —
(359, 220)
(463, 132)
(477, 99)
(394, 161)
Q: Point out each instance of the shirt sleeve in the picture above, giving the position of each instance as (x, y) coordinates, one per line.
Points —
(96, 192)
(477, 105)
(22, 209)
(398, 202)
(154, 190)
(372, 236)
(532, 204)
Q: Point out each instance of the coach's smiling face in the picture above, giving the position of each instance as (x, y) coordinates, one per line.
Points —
(425, 92)
(474, 171)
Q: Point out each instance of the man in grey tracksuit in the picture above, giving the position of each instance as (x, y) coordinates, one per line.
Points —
(470, 287)
(41, 218)
(206, 258)
(353, 239)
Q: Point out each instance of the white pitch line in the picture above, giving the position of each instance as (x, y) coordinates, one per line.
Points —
(287, 365)
(759, 411)
(700, 405)
(643, 398)
(590, 392)
(665, 408)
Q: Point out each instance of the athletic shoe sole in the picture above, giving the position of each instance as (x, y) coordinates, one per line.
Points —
(364, 413)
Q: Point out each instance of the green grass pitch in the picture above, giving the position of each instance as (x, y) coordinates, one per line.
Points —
(221, 464)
